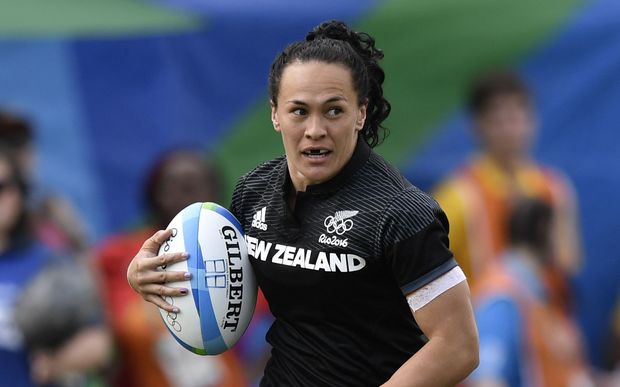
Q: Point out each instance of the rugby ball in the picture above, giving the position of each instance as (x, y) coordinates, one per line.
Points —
(222, 290)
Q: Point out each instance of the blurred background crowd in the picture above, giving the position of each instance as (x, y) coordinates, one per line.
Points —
(116, 114)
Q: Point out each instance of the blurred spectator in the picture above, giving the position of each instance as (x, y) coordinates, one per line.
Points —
(147, 354)
(37, 345)
(612, 345)
(60, 317)
(55, 220)
(525, 339)
(479, 196)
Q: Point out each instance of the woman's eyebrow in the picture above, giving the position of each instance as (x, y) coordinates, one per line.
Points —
(331, 99)
(296, 102)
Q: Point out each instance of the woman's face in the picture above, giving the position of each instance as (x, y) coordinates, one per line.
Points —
(319, 117)
(184, 180)
(10, 199)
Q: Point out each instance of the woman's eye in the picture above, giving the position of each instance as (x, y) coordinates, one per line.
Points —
(334, 111)
(299, 112)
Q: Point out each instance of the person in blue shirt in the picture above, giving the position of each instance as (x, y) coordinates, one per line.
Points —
(21, 258)
(25, 260)
(526, 338)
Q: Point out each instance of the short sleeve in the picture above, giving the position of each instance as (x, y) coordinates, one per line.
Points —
(413, 238)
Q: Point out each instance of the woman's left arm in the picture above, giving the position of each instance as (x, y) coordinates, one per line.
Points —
(452, 350)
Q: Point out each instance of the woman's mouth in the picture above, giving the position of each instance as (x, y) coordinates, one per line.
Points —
(316, 153)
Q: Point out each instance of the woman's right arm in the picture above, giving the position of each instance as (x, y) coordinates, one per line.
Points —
(150, 283)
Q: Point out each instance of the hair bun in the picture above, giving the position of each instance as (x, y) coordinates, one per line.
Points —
(333, 29)
(361, 42)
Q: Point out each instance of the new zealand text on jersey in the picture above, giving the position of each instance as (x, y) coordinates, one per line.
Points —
(303, 258)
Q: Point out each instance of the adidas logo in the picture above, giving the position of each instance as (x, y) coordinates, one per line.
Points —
(258, 220)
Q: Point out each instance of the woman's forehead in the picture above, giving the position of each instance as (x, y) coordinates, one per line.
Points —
(316, 80)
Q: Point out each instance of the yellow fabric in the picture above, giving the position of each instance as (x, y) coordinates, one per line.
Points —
(451, 200)
(477, 201)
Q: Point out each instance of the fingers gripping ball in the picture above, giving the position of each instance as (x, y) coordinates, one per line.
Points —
(222, 289)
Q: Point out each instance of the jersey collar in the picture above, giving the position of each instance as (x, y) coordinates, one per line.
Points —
(358, 159)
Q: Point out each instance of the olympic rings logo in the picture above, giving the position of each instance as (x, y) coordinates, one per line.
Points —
(336, 225)
(171, 317)
(169, 240)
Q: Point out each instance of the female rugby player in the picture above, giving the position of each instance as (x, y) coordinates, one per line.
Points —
(352, 259)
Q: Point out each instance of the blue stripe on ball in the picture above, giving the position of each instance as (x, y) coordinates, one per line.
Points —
(197, 351)
(224, 212)
(214, 343)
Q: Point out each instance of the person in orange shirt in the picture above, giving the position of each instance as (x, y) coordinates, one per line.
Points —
(147, 354)
(525, 339)
(478, 197)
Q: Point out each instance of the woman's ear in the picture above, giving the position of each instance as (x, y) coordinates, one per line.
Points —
(274, 116)
(361, 116)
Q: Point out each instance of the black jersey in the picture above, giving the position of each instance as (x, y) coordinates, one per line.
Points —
(336, 269)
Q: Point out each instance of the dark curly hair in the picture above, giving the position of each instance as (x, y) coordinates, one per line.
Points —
(334, 42)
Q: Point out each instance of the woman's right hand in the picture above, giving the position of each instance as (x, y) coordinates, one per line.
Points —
(150, 283)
